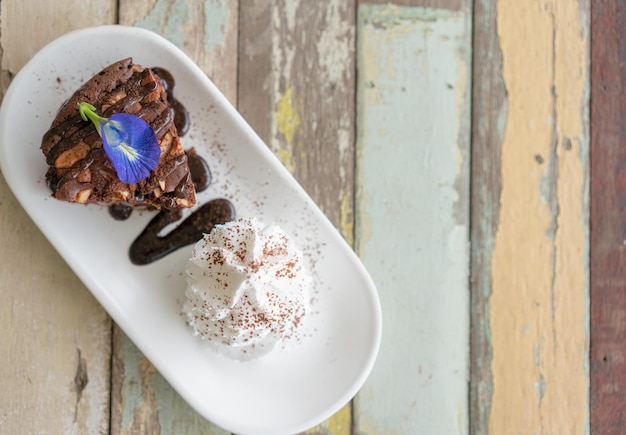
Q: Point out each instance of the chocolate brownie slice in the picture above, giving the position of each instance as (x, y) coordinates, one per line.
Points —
(79, 169)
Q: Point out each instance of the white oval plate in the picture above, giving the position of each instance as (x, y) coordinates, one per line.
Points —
(287, 391)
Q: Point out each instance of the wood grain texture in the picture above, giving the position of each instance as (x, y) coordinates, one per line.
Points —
(296, 89)
(413, 213)
(489, 113)
(290, 68)
(608, 217)
(142, 401)
(538, 309)
(55, 341)
(299, 97)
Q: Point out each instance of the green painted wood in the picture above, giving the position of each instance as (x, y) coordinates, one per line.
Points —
(412, 215)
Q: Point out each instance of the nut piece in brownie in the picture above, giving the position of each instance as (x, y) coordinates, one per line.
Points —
(79, 169)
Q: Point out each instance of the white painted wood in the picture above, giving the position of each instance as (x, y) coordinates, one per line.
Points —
(412, 214)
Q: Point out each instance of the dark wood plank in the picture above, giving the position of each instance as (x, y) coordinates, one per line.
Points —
(608, 217)
(488, 109)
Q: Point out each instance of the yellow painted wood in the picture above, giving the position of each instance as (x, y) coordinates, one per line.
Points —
(539, 303)
(55, 341)
(339, 423)
(287, 120)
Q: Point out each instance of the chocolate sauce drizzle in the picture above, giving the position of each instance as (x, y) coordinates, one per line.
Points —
(199, 169)
(181, 116)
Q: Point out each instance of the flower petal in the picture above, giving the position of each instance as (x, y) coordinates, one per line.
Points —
(131, 145)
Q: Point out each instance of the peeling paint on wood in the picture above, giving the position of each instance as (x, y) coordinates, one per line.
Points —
(488, 115)
(287, 123)
(412, 214)
(438, 4)
(538, 309)
(296, 89)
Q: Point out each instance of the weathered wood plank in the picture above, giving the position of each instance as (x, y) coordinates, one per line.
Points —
(255, 59)
(296, 89)
(538, 308)
(412, 218)
(142, 401)
(608, 215)
(296, 78)
(55, 341)
(489, 110)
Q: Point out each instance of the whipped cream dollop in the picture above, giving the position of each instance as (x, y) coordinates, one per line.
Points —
(247, 288)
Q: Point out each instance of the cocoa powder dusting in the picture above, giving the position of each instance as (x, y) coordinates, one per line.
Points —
(271, 299)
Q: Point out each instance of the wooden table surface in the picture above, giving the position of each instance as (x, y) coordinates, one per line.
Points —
(472, 152)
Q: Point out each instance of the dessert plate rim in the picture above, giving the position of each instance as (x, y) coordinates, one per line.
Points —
(344, 340)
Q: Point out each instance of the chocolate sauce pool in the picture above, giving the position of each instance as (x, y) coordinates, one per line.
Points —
(149, 246)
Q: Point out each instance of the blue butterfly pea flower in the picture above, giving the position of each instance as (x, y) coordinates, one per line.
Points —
(129, 142)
